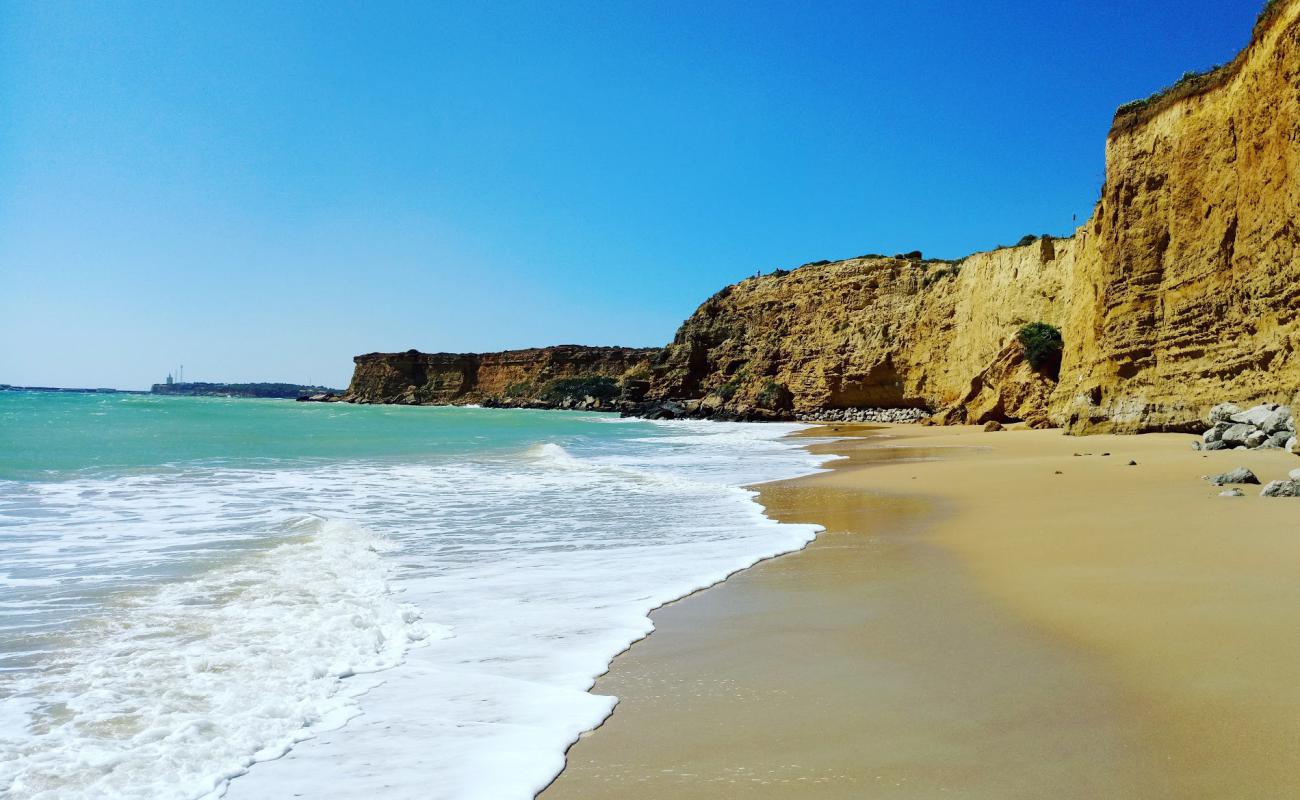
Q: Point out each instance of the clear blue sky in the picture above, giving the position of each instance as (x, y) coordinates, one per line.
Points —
(261, 191)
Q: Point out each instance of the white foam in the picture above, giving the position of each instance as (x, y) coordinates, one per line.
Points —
(505, 698)
(182, 688)
(543, 565)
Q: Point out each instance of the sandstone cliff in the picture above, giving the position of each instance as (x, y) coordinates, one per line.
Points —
(873, 332)
(520, 376)
(1190, 286)
(1181, 291)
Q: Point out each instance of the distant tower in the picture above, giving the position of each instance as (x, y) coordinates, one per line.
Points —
(182, 375)
(169, 379)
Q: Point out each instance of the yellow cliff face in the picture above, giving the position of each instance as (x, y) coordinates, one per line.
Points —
(1181, 291)
(867, 332)
(1190, 285)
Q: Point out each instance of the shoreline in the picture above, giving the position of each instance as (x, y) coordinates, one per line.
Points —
(537, 710)
(976, 623)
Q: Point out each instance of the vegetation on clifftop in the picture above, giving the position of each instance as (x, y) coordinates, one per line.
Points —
(1191, 84)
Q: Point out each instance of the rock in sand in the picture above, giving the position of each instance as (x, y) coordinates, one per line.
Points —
(1238, 475)
(1281, 489)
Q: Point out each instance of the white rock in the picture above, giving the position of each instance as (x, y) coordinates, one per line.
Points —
(1223, 412)
(1232, 493)
(1254, 416)
(1237, 434)
(1293, 445)
(1276, 420)
(1281, 489)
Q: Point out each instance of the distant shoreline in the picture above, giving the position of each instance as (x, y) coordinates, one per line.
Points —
(263, 391)
(4, 387)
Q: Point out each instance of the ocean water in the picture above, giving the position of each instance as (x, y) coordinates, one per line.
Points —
(260, 599)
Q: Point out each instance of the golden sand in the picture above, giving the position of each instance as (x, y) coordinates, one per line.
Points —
(973, 624)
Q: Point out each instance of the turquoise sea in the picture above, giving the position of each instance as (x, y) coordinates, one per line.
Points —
(255, 598)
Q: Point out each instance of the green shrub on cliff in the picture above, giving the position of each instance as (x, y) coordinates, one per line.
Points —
(1266, 13)
(773, 396)
(1191, 84)
(640, 372)
(728, 390)
(561, 389)
(1042, 344)
(946, 270)
(517, 390)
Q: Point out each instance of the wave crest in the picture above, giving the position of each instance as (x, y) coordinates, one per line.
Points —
(194, 677)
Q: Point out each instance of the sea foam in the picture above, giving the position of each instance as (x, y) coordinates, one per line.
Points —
(177, 690)
(219, 622)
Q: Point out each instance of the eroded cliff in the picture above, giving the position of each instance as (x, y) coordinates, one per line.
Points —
(874, 332)
(1181, 291)
(1191, 285)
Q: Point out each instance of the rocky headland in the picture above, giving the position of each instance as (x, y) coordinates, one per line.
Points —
(281, 391)
(1180, 292)
(564, 376)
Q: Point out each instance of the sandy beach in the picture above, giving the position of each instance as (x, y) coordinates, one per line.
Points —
(987, 615)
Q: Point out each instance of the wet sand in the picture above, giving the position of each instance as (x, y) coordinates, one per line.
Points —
(973, 624)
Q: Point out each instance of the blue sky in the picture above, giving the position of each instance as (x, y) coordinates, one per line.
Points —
(261, 191)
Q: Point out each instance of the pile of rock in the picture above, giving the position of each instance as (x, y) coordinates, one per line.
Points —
(1243, 476)
(863, 415)
(1264, 427)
